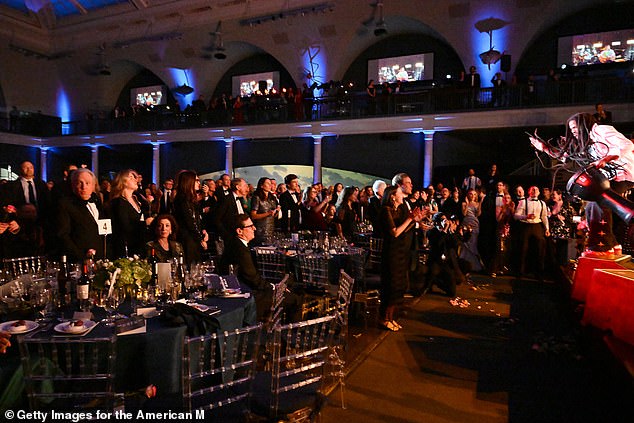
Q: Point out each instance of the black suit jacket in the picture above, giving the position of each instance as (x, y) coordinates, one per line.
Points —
(225, 217)
(15, 196)
(287, 203)
(77, 230)
(165, 207)
(238, 254)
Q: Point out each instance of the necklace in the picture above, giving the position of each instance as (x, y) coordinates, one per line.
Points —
(133, 202)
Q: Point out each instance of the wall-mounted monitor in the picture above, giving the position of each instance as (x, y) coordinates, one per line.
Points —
(596, 48)
(148, 96)
(246, 85)
(415, 67)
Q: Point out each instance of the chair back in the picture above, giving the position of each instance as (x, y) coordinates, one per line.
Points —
(19, 266)
(69, 373)
(218, 369)
(279, 291)
(376, 249)
(299, 357)
(314, 271)
(344, 297)
(271, 264)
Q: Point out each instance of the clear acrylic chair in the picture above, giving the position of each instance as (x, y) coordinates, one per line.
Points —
(314, 272)
(277, 308)
(218, 370)
(271, 264)
(70, 373)
(19, 266)
(296, 375)
(376, 249)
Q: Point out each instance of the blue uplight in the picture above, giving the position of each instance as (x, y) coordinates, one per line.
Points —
(63, 110)
(315, 64)
(182, 77)
(480, 44)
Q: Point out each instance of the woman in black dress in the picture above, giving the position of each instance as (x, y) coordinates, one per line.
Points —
(187, 214)
(397, 228)
(346, 211)
(129, 223)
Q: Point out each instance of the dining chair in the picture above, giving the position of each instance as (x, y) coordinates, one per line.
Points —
(296, 376)
(376, 249)
(218, 370)
(19, 266)
(277, 308)
(314, 271)
(271, 264)
(339, 309)
(70, 373)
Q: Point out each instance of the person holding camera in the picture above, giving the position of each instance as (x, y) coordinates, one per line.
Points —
(444, 242)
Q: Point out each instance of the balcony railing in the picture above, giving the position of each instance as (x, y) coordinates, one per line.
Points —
(356, 105)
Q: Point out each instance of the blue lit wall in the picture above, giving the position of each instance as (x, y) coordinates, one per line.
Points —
(480, 44)
(180, 77)
(314, 62)
(63, 109)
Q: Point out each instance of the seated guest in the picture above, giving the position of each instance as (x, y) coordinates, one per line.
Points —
(165, 245)
(77, 218)
(330, 217)
(313, 210)
(238, 254)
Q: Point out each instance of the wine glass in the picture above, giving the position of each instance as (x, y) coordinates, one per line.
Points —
(110, 304)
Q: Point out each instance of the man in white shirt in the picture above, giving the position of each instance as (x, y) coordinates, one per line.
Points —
(471, 182)
(532, 213)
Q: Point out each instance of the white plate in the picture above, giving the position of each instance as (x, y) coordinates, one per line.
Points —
(67, 328)
(199, 307)
(29, 325)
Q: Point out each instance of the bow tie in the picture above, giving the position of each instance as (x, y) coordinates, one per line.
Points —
(85, 202)
(534, 199)
(500, 195)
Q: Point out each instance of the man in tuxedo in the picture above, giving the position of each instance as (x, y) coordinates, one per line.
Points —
(229, 207)
(472, 81)
(77, 228)
(166, 205)
(375, 203)
(238, 254)
(224, 187)
(31, 197)
(290, 201)
(532, 213)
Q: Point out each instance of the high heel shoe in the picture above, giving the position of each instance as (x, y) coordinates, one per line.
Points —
(389, 325)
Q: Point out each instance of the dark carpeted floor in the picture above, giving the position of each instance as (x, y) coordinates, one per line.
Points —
(514, 352)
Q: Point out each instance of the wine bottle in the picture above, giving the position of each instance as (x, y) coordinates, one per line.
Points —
(83, 289)
(180, 274)
(63, 278)
(153, 262)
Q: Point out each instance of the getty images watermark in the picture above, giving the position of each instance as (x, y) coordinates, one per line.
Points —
(52, 415)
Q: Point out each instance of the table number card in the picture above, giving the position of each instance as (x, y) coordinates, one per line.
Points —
(105, 226)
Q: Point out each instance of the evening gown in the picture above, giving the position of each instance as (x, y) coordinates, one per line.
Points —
(469, 251)
(395, 256)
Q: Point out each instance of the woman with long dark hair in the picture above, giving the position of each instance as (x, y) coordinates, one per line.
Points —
(398, 229)
(129, 222)
(347, 211)
(264, 209)
(187, 213)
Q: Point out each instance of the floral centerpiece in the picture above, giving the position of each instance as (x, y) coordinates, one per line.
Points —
(130, 273)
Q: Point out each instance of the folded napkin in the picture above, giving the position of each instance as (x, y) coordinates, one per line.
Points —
(197, 322)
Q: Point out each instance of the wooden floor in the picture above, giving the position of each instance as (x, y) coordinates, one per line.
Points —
(514, 352)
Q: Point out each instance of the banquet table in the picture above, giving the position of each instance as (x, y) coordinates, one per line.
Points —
(586, 266)
(610, 302)
(153, 357)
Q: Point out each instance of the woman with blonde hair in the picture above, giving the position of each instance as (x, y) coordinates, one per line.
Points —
(129, 223)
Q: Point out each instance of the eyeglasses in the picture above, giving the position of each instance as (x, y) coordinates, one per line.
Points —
(249, 226)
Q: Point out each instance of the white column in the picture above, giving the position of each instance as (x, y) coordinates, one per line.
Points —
(229, 156)
(317, 158)
(156, 163)
(94, 150)
(429, 157)
(43, 167)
